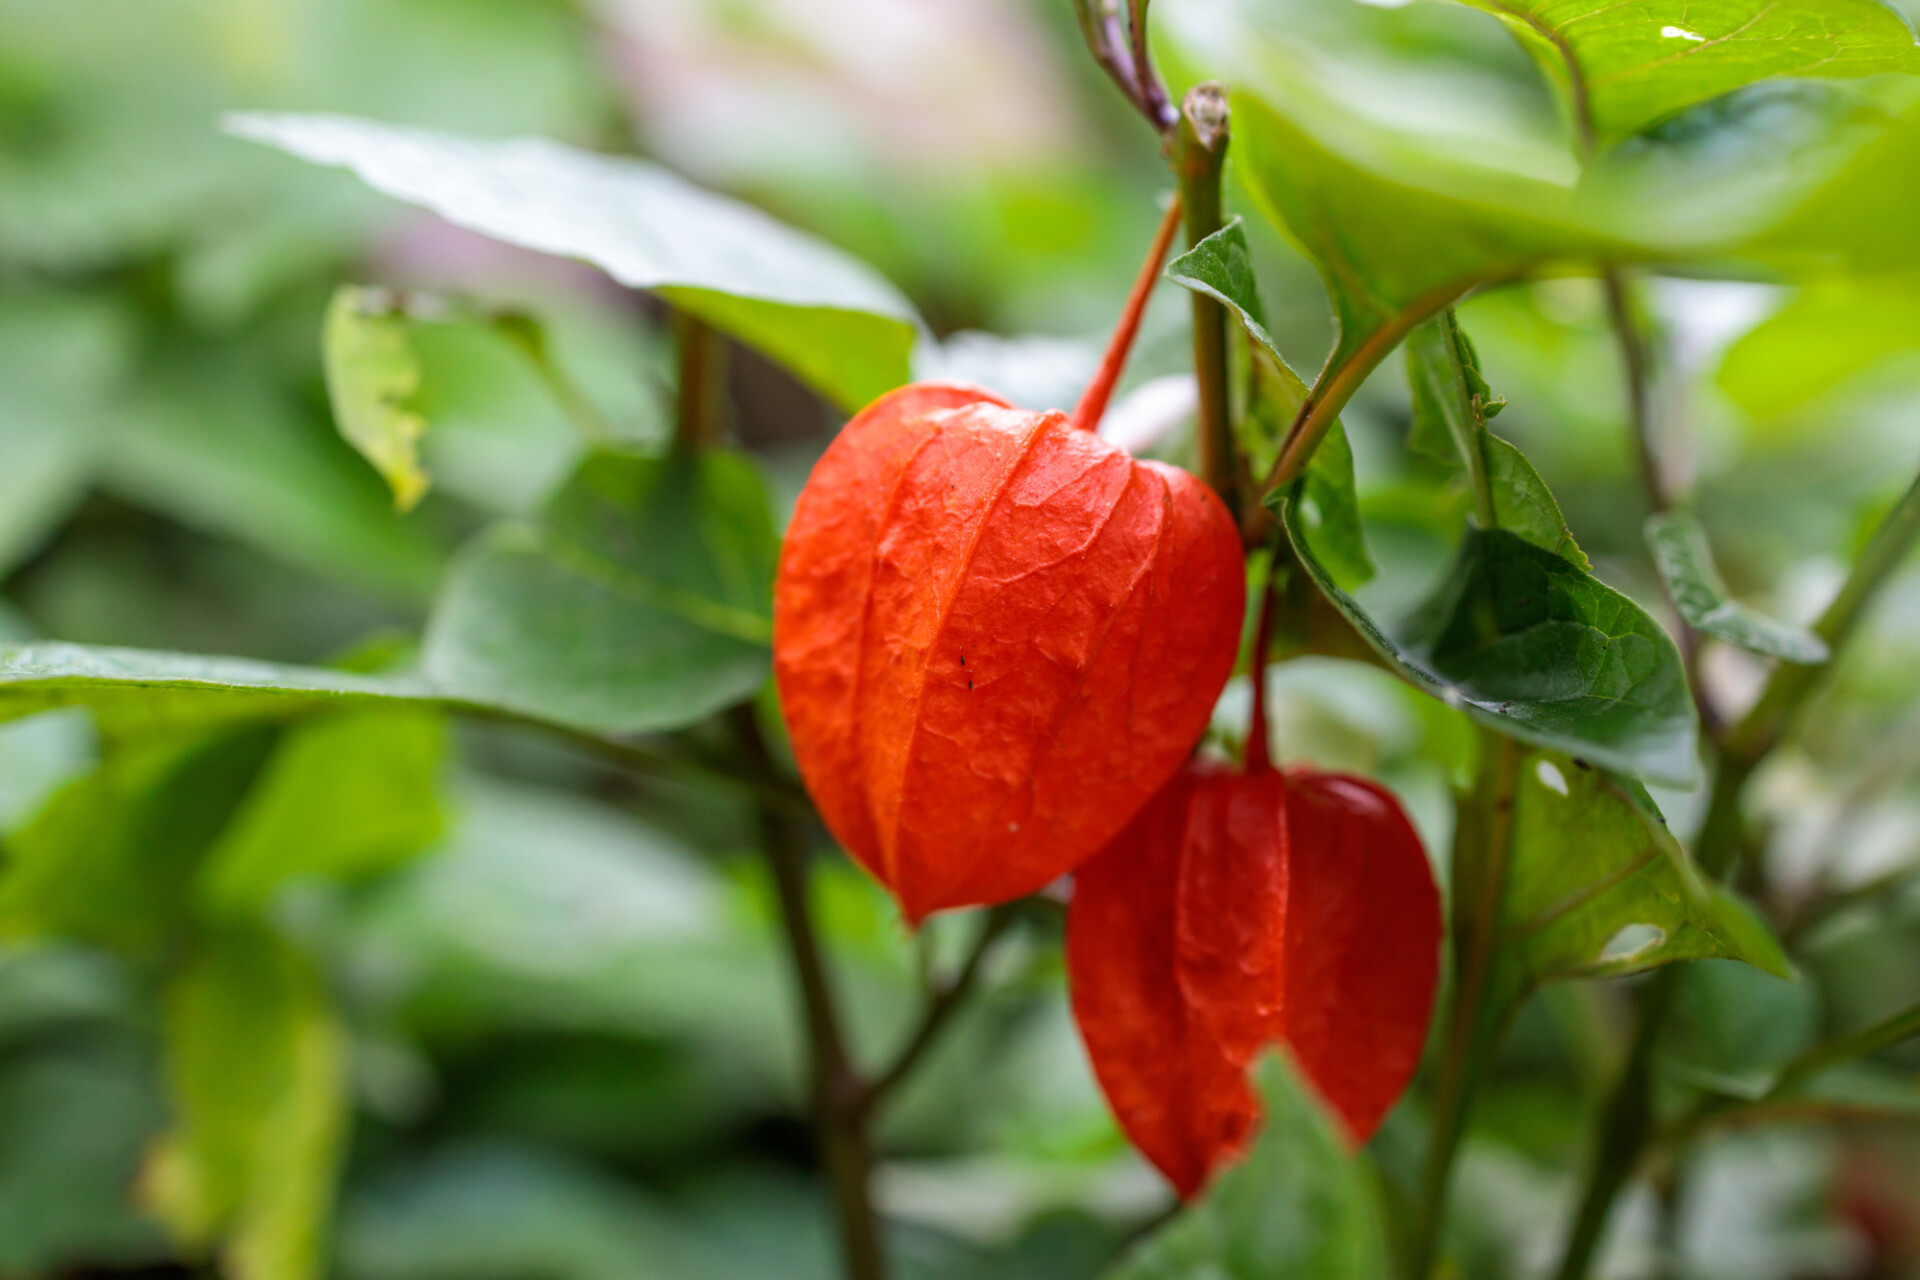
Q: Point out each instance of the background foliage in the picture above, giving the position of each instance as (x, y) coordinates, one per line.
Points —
(425, 936)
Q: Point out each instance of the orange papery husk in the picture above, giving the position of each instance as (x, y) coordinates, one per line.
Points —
(995, 637)
(1241, 910)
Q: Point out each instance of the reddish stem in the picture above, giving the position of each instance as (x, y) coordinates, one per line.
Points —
(1093, 404)
(1258, 757)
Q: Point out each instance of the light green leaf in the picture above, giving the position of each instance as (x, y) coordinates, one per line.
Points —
(372, 377)
(1299, 1207)
(110, 858)
(1620, 68)
(1398, 231)
(345, 797)
(1598, 887)
(1221, 267)
(1852, 217)
(257, 1063)
(1679, 546)
(1451, 405)
(828, 317)
(1531, 646)
(642, 602)
(1831, 333)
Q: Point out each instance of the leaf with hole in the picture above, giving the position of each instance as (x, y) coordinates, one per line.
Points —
(1597, 886)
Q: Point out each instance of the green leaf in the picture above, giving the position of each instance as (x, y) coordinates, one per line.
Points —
(110, 858)
(257, 1063)
(642, 602)
(1221, 267)
(61, 357)
(1299, 1207)
(74, 1117)
(1831, 333)
(1618, 70)
(372, 377)
(1398, 231)
(1598, 887)
(1679, 546)
(1852, 217)
(143, 693)
(345, 797)
(828, 317)
(1451, 405)
(1531, 646)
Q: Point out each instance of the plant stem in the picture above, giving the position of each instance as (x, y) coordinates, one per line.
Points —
(1199, 152)
(835, 1087)
(1093, 401)
(696, 423)
(940, 1010)
(1635, 364)
(1481, 848)
(1747, 744)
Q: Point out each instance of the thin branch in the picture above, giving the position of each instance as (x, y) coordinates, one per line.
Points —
(947, 1000)
(1093, 401)
(835, 1088)
(1482, 845)
(702, 397)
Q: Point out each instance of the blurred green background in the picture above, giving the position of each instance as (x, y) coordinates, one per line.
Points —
(571, 1044)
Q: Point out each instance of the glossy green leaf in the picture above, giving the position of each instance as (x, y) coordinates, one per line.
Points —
(1300, 1206)
(1680, 550)
(1619, 69)
(642, 601)
(828, 317)
(1598, 887)
(372, 377)
(1221, 267)
(345, 797)
(1531, 646)
(1451, 405)
(1828, 335)
(257, 1064)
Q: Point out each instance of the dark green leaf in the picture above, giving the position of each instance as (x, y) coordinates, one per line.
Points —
(257, 1062)
(372, 377)
(74, 1118)
(640, 603)
(345, 797)
(827, 316)
(1618, 71)
(1680, 549)
(1531, 646)
(1451, 405)
(1597, 886)
(1299, 1207)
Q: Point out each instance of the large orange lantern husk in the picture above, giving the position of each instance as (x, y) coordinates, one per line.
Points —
(1243, 909)
(995, 636)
